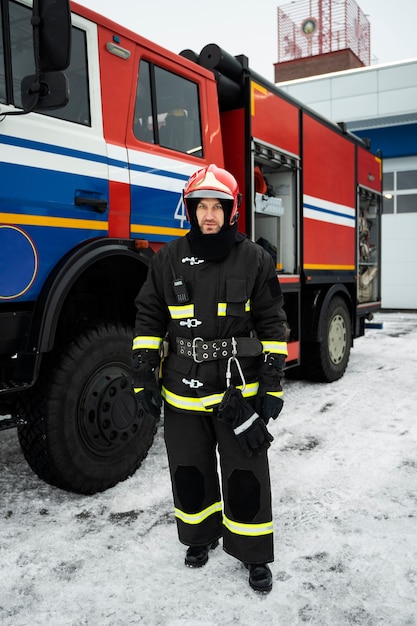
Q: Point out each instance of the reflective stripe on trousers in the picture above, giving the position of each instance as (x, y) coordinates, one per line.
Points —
(248, 530)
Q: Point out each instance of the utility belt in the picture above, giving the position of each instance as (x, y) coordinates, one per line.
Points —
(201, 350)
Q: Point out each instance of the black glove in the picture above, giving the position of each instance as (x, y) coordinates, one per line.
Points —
(269, 399)
(145, 381)
(269, 406)
(248, 427)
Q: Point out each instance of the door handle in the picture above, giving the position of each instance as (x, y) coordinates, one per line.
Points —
(98, 205)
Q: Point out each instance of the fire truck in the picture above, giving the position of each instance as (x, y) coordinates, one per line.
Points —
(99, 131)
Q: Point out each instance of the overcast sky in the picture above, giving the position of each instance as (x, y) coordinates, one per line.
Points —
(250, 26)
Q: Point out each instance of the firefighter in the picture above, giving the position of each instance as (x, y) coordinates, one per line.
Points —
(212, 300)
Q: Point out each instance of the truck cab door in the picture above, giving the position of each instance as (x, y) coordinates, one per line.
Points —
(53, 164)
(164, 148)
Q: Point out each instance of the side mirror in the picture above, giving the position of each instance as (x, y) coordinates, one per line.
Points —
(48, 88)
(44, 91)
(51, 21)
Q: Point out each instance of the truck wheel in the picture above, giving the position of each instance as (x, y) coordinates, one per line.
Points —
(83, 430)
(326, 360)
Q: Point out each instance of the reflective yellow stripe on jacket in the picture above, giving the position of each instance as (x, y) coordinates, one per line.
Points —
(222, 308)
(276, 347)
(277, 394)
(181, 311)
(205, 403)
(146, 343)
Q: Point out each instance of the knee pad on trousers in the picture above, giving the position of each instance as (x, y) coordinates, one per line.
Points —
(244, 495)
(189, 484)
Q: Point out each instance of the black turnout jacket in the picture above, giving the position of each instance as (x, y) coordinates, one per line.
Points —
(238, 296)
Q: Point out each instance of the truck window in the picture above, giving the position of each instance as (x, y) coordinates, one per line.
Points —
(21, 46)
(78, 107)
(167, 110)
(143, 125)
(2, 75)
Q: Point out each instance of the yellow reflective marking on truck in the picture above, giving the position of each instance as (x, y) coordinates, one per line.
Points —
(158, 230)
(68, 222)
(255, 87)
(56, 222)
(318, 266)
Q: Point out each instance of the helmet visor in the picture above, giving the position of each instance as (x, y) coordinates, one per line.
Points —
(209, 193)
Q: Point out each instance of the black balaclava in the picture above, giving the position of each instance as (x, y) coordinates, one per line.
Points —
(212, 247)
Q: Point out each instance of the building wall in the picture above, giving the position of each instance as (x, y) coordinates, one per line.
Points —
(319, 64)
(399, 261)
(370, 97)
(380, 103)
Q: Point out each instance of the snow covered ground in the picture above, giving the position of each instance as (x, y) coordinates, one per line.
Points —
(344, 477)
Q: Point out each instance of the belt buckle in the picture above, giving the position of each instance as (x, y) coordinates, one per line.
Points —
(194, 349)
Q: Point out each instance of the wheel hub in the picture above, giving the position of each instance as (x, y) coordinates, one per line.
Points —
(110, 414)
(337, 339)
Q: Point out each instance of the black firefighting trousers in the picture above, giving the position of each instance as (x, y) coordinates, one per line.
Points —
(243, 516)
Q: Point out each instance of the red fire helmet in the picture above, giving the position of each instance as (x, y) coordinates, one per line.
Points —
(213, 182)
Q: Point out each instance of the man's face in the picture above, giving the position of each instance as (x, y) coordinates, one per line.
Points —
(210, 215)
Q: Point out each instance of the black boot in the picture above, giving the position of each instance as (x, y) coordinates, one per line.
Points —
(260, 577)
(197, 556)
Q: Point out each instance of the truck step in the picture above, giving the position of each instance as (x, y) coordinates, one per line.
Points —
(8, 422)
(12, 386)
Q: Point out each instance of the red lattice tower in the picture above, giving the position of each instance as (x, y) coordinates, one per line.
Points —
(308, 28)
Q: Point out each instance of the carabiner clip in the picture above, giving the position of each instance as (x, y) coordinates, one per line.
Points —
(229, 372)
